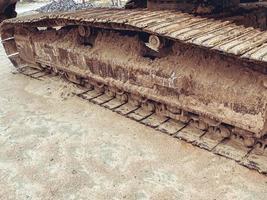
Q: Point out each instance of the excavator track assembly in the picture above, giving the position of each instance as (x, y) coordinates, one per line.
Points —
(199, 79)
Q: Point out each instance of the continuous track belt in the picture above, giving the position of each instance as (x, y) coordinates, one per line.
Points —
(179, 130)
(224, 37)
(221, 36)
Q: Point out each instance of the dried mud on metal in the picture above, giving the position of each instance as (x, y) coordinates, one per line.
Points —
(57, 146)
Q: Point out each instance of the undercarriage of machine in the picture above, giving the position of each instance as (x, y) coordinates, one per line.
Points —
(198, 71)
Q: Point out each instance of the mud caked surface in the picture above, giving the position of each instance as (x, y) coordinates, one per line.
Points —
(55, 146)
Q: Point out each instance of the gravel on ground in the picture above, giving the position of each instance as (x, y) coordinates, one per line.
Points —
(64, 5)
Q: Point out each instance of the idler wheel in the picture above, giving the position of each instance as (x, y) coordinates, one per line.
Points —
(122, 96)
(100, 87)
(155, 43)
(249, 141)
(84, 31)
(246, 136)
(110, 93)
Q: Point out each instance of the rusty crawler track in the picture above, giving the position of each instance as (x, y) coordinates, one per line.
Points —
(228, 148)
(224, 37)
(244, 46)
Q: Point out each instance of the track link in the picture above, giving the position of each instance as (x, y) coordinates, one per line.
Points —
(224, 37)
(189, 129)
(229, 148)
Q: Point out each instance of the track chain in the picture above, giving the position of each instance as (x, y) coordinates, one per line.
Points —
(228, 148)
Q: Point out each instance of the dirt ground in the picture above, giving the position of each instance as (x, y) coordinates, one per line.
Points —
(56, 146)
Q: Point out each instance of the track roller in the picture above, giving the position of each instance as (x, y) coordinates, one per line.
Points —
(155, 43)
(84, 31)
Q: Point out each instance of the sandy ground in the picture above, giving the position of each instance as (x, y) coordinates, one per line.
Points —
(56, 146)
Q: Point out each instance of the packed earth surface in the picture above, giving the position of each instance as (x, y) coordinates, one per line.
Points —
(54, 145)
